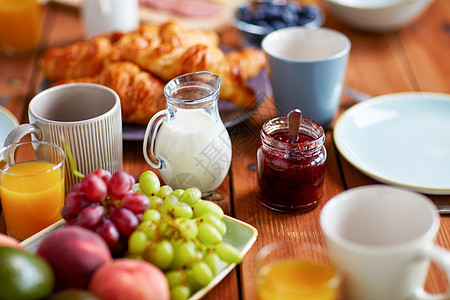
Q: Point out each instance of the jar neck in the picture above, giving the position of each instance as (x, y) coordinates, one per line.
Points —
(307, 128)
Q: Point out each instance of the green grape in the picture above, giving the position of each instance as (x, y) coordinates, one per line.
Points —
(202, 207)
(191, 195)
(149, 228)
(160, 254)
(214, 263)
(184, 253)
(182, 210)
(139, 191)
(177, 193)
(169, 203)
(202, 273)
(192, 283)
(151, 215)
(208, 234)
(189, 226)
(137, 242)
(164, 191)
(155, 202)
(228, 253)
(165, 230)
(180, 292)
(215, 221)
(175, 277)
(149, 183)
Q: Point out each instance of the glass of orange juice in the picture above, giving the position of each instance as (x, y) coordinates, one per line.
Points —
(296, 271)
(31, 186)
(20, 25)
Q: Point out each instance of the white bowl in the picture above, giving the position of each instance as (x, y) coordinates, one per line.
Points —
(377, 15)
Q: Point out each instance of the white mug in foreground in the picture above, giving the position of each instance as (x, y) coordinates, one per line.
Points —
(382, 240)
(307, 70)
(86, 116)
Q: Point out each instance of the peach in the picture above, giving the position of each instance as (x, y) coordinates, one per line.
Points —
(125, 279)
(8, 241)
(74, 254)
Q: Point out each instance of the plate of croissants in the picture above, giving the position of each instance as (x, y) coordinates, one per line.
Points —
(138, 64)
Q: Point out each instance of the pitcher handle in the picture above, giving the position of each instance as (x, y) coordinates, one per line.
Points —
(441, 257)
(20, 131)
(152, 129)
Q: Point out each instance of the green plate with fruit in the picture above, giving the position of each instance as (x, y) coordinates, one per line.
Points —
(239, 234)
(188, 238)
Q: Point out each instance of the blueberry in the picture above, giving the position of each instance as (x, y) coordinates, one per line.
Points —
(308, 12)
(264, 24)
(290, 18)
(245, 15)
(277, 24)
(293, 6)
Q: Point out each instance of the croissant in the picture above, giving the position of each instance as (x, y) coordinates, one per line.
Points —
(82, 59)
(167, 61)
(153, 53)
(141, 94)
(250, 61)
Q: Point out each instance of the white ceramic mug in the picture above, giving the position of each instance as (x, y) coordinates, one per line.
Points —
(382, 240)
(86, 116)
(307, 70)
(102, 16)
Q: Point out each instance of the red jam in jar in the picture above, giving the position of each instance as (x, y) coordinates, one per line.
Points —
(291, 175)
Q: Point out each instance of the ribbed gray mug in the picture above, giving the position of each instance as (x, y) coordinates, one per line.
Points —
(87, 117)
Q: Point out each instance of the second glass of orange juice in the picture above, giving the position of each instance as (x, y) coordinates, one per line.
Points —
(31, 186)
(296, 271)
(20, 25)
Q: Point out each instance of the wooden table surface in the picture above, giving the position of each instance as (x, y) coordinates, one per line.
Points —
(415, 58)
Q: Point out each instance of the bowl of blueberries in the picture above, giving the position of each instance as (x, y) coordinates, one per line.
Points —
(256, 19)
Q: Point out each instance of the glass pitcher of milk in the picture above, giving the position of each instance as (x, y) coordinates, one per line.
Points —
(188, 142)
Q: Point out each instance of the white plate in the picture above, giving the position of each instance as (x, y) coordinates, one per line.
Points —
(7, 123)
(239, 234)
(401, 139)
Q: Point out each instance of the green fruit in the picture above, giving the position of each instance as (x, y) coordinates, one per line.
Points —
(73, 294)
(24, 275)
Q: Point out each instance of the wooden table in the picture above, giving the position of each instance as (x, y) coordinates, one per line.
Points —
(415, 58)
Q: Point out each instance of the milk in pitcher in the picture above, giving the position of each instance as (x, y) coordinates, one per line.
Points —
(198, 149)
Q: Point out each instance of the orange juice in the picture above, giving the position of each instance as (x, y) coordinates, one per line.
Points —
(297, 280)
(32, 195)
(20, 25)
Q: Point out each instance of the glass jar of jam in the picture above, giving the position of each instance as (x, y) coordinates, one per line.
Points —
(291, 175)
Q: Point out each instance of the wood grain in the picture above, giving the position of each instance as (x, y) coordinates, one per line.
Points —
(414, 58)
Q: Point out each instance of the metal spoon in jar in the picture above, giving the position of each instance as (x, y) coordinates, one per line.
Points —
(294, 120)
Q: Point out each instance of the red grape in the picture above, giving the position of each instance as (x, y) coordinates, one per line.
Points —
(94, 188)
(91, 216)
(76, 188)
(67, 215)
(105, 175)
(125, 220)
(119, 184)
(136, 202)
(75, 202)
(108, 231)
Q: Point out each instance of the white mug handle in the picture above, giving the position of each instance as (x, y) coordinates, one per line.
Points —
(441, 257)
(152, 131)
(20, 131)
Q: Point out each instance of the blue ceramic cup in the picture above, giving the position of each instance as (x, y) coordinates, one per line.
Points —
(307, 70)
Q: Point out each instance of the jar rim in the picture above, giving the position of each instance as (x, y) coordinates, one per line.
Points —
(307, 127)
